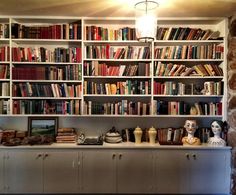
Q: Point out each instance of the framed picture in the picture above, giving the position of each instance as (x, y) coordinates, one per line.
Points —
(42, 126)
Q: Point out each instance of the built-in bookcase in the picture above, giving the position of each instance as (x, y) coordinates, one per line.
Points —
(95, 67)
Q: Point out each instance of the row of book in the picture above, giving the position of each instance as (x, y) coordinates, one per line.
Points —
(184, 108)
(100, 33)
(209, 51)
(46, 90)
(4, 89)
(114, 52)
(65, 107)
(208, 70)
(170, 136)
(4, 106)
(95, 68)
(185, 33)
(128, 87)
(170, 69)
(123, 107)
(41, 54)
(56, 72)
(213, 88)
(174, 88)
(55, 31)
(4, 53)
(4, 31)
(4, 71)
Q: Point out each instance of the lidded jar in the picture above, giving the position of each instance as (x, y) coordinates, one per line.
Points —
(152, 135)
(138, 135)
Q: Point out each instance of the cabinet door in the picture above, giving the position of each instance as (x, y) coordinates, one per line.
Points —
(1, 171)
(24, 172)
(98, 171)
(134, 171)
(60, 172)
(171, 171)
(210, 172)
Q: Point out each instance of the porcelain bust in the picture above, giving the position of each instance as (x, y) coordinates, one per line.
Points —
(216, 140)
(191, 127)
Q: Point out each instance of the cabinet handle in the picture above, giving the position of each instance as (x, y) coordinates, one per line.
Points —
(187, 156)
(38, 156)
(113, 156)
(45, 156)
(194, 156)
(120, 156)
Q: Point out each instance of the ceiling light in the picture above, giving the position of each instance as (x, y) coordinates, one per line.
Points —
(146, 20)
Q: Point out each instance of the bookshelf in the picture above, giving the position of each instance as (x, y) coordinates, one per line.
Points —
(73, 64)
(46, 69)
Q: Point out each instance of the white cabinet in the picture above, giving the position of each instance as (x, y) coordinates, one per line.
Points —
(121, 171)
(170, 171)
(60, 172)
(163, 170)
(1, 171)
(134, 171)
(30, 171)
(98, 171)
(193, 171)
(24, 171)
(210, 170)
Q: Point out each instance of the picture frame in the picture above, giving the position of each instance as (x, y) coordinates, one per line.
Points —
(42, 126)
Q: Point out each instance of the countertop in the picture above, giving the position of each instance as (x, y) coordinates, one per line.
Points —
(123, 145)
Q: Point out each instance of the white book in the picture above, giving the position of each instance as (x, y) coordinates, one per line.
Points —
(121, 70)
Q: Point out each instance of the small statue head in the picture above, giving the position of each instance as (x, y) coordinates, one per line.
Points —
(190, 126)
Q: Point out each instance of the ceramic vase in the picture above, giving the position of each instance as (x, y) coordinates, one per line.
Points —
(152, 135)
(138, 135)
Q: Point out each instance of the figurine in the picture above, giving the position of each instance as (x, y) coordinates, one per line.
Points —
(191, 126)
(216, 140)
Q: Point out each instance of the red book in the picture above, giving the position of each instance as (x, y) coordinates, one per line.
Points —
(107, 51)
(59, 36)
(78, 54)
(75, 30)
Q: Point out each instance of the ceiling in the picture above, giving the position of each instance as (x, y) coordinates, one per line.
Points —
(116, 8)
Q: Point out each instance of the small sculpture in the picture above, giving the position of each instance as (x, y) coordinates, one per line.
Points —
(216, 140)
(191, 126)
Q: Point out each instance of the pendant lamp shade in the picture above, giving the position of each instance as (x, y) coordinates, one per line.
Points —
(146, 20)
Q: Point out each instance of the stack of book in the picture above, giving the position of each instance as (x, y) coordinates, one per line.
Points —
(66, 135)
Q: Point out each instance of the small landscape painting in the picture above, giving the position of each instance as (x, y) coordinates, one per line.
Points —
(42, 126)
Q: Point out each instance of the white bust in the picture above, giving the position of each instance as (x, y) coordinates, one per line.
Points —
(216, 127)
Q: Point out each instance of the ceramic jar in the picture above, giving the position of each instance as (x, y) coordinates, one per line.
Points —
(152, 135)
(138, 135)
